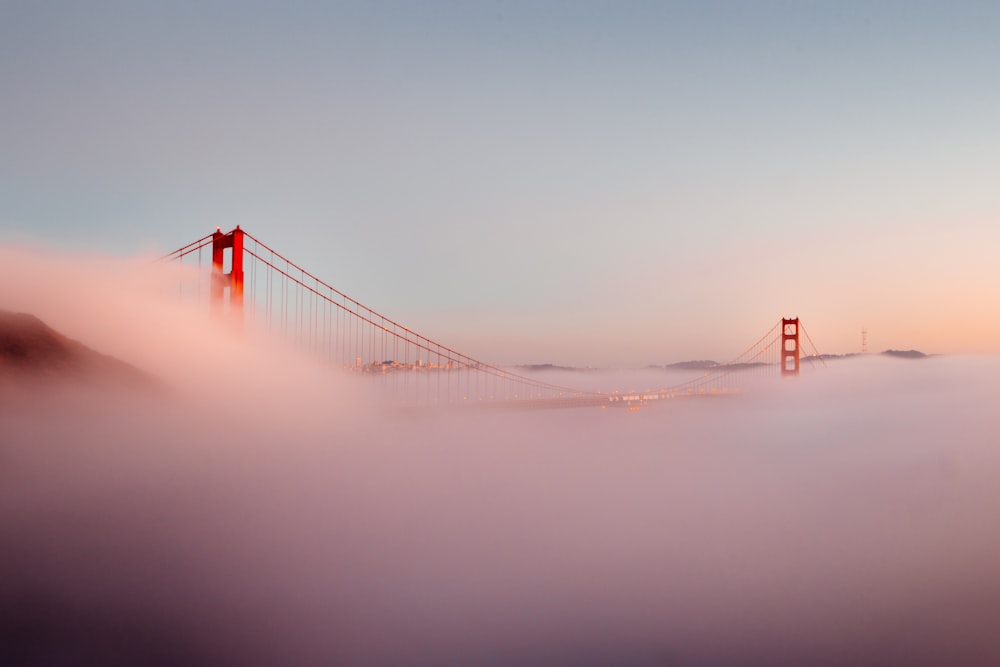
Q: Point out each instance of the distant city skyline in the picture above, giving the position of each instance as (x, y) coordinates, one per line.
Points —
(577, 183)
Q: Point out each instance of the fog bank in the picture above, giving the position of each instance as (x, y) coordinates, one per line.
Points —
(271, 511)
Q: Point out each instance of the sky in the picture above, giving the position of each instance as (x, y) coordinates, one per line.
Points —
(585, 183)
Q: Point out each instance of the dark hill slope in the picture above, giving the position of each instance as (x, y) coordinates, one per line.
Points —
(32, 352)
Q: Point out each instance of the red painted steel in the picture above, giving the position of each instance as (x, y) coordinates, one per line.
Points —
(234, 278)
(790, 346)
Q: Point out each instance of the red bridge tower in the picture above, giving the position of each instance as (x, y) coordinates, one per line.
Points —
(234, 278)
(790, 346)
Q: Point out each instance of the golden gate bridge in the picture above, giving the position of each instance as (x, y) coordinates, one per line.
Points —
(249, 281)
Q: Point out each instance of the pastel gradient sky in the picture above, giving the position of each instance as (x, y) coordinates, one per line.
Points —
(571, 182)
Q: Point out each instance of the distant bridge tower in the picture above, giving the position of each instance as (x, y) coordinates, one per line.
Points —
(234, 278)
(790, 346)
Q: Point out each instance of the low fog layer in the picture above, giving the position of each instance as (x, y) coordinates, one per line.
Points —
(270, 511)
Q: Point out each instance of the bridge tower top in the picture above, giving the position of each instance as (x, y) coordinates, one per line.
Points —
(233, 279)
(790, 346)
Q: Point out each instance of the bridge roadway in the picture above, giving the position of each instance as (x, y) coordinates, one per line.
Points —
(627, 401)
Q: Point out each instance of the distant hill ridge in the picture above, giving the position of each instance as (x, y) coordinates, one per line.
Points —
(905, 354)
(707, 364)
(549, 367)
(32, 351)
(710, 365)
(704, 364)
